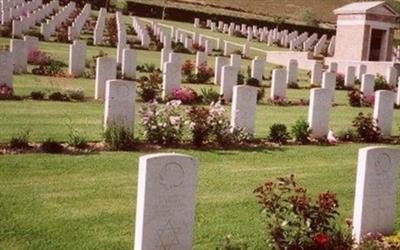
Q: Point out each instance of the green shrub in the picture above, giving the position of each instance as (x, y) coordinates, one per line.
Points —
(20, 140)
(348, 134)
(149, 89)
(301, 131)
(76, 94)
(37, 95)
(366, 127)
(51, 146)
(381, 83)
(119, 138)
(295, 220)
(309, 18)
(58, 96)
(230, 244)
(278, 133)
(209, 95)
(75, 138)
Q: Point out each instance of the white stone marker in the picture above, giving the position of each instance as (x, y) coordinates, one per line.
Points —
(244, 102)
(292, 71)
(228, 81)
(219, 63)
(375, 195)
(329, 82)
(318, 112)
(398, 94)
(257, 69)
(164, 57)
(165, 202)
(391, 76)
(350, 76)
(32, 43)
(383, 111)
(175, 58)
(129, 63)
(172, 78)
(278, 84)
(120, 49)
(316, 74)
(367, 85)
(119, 105)
(77, 58)
(236, 61)
(20, 55)
(106, 69)
(6, 68)
(201, 59)
(361, 70)
(333, 67)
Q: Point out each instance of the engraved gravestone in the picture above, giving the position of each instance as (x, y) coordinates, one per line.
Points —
(6, 68)
(172, 78)
(119, 105)
(383, 111)
(77, 58)
(228, 81)
(219, 63)
(244, 102)
(106, 69)
(165, 202)
(292, 71)
(376, 185)
(367, 85)
(329, 82)
(316, 74)
(318, 112)
(278, 84)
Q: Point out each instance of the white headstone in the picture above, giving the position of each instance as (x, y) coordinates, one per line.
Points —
(172, 78)
(391, 76)
(329, 82)
(350, 76)
(119, 105)
(316, 74)
(164, 57)
(106, 69)
(201, 59)
(20, 55)
(129, 63)
(383, 111)
(333, 67)
(175, 58)
(367, 85)
(318, 112)
(257, 69)
(6, 68)
(120, 49)
(32, 43)
(236, 61)
(77, 58)
(244, 102)
(292, 71)
(375, 195)
(228, 81)
(165, 202)
(278, 84)
(361, 70)
(219, 63)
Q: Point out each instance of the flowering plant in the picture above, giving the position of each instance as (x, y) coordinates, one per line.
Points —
(5, 90)
(295, 221)
(185, 95)
(162, 124)
(38, 57)
(187, 67)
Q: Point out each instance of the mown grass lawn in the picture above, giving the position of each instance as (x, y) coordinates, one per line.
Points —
(88, 201)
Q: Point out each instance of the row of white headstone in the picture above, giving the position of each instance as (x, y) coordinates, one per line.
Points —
(6, 6)
(33, 17)
(99, 28)
(49, 28)
(165, 207)
(75, 29)
(141, 31)
(291, 40)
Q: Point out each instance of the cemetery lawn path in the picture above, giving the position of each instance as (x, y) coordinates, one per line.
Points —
(88, 201)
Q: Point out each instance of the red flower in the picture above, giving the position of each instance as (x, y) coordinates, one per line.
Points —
(321, 239)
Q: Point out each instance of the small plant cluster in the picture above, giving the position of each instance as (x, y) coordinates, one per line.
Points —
(367, 128)
(155, 43)
(186, 95)
(197, 47)
(54, 68)
(179, 47)
(147, 68)
(112, 31)
(6, 91)
(381, 83)
(165, 124)
(37, 57)
(281, 101)
(119, 138)
(149, 88)
(356, 99)
(203, 75)
(69, 95)
(294, 220)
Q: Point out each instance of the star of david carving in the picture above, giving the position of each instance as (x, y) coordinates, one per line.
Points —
(168, 236)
